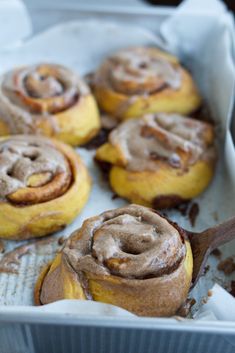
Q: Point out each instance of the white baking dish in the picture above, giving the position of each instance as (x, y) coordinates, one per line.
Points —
(33, 328)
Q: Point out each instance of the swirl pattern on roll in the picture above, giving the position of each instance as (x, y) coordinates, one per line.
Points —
(32, 163)
(132, 242)
(31, 93)
(179, 141)
(137, 71)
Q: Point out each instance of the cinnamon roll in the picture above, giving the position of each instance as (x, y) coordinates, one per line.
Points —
(50, 100)
(140, 80)
(131, 257)
(159, 160)
(43, 186)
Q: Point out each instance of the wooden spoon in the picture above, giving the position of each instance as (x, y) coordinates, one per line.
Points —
(204, 243)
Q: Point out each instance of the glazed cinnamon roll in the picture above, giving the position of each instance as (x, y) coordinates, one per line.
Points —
(136, 81)
(50, 100)
(160, 160)
(43, 186)
(131, 257)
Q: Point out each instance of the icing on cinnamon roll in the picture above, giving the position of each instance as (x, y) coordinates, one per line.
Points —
(131, 257)
(38, 99)
(160, 156)
(140, 80)
(136, 71)
(43, 186)
(172, 138)
(21, 159)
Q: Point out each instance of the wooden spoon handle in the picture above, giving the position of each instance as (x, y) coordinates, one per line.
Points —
(204, 243)
(220, 234)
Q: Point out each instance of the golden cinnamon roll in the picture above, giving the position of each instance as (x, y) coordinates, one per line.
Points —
(131, 257)
(43, 186)
(50, 100)
(160, 160)
(141, 80)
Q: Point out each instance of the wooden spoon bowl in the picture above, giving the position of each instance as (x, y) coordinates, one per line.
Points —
(205, 242)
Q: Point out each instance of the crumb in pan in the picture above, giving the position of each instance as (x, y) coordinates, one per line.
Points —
(227, 266)
(193, 213)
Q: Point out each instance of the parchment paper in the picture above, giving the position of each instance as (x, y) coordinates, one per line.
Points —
(15, 23)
